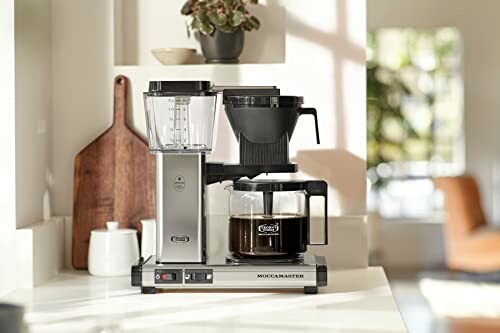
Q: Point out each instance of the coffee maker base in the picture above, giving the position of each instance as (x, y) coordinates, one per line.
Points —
(309, 274)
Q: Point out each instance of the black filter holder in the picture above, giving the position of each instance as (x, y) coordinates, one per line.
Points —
(263, 126)
(275, 153)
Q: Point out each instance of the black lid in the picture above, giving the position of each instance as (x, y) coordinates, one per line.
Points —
(269, 185)
(250, 91)
(180, 87)
(275, 101)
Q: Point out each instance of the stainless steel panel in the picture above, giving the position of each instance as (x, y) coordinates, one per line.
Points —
(265, 278)
(243, 276)
(180, 187)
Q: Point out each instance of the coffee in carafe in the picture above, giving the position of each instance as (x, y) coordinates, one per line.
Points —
(280, 235)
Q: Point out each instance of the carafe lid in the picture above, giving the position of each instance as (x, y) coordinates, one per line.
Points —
(269, 185)
(273, 101)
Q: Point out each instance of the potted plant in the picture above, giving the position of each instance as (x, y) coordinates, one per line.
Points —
(221, 24)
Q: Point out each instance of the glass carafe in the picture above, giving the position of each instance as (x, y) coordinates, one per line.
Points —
(181, 115)
(271, 219)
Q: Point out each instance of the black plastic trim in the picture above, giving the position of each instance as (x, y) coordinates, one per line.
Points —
(255, 91)
(271, 101)
(273, 185)
(317, 188)
(148, 290)
(179, 86)
(219, 172)
(314, 113)
(310, 290)
(321, 271)
(136, 273)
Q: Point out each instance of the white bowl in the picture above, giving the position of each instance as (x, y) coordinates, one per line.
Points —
(173, 56)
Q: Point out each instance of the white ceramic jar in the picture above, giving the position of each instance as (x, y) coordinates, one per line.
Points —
(112, 251)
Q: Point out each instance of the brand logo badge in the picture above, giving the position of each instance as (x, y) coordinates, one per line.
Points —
(179, 183)
(280, 276)
(180, 239)
(268, 229)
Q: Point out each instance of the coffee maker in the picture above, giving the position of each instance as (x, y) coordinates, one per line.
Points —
(269, 220)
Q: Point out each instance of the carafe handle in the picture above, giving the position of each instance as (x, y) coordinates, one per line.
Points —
(317, 188)
(311, 111)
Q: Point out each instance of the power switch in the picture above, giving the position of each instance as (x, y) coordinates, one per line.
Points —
(198, 276)
(168, 277)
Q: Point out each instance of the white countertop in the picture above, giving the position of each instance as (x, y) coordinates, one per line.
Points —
(354, 301)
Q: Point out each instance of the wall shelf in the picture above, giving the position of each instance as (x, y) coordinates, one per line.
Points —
(140, 26)
(223, 74)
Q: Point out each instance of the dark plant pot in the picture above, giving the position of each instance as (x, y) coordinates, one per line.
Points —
(221, 47)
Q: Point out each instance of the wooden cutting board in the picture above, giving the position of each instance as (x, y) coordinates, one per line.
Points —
(114, 180)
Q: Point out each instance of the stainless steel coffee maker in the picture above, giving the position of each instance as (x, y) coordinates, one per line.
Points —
(269, 220)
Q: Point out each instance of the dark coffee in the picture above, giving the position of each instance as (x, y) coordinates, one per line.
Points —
(283, 235)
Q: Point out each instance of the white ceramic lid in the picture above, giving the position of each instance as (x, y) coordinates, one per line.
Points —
(112, 227)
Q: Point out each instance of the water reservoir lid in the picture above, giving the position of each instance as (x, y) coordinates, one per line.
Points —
(195, 88)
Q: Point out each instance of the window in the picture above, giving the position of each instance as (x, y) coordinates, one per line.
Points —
(414, 124)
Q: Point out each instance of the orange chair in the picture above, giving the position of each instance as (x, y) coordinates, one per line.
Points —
(471, 245)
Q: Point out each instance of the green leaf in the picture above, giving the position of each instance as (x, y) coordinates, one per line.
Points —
(202, 10)
(227, 28)
(247, 26)
(255, 22)
(218, 20)
(186, 8)
(251, 24)
(227, 15)
(203, 18)
(195, 24)
(206, 29)
(236, 18)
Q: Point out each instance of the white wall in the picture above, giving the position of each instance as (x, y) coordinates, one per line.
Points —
(7, 147)
(477, 21)
(82, 53)
(324, 62)
(33, 108)
(25, 63)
